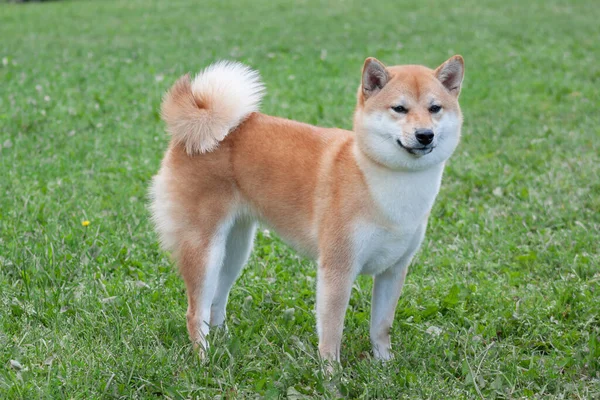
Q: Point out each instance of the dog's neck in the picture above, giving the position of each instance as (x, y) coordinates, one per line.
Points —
(402, 196)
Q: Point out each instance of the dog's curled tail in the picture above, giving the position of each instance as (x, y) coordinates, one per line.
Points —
(200, 113)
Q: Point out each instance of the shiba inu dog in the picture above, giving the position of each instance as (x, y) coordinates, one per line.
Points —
(357, 201)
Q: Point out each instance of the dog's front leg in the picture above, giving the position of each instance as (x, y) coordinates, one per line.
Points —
(386, 292)
(334, 284)
(387, 287)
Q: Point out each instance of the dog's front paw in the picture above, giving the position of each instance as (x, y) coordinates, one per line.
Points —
(382, 353)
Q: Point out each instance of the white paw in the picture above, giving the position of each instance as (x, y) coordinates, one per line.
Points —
(382, 353)
(201, 348)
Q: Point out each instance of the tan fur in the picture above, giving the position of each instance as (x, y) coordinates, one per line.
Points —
(306, 182)
(252, 168)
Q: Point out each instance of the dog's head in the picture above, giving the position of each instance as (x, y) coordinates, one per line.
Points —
(408, 117)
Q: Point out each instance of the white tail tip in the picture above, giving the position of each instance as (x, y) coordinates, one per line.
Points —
(199, 114)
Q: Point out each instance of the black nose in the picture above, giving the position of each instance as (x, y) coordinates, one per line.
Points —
(424, 136)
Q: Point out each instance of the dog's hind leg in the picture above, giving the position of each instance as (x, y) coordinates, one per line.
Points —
(200, 261)
(237, 251)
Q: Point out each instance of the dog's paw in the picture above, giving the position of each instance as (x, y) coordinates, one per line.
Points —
(382, 353)
(201, 350)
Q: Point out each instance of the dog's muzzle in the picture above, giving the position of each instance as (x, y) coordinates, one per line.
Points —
(418, 151)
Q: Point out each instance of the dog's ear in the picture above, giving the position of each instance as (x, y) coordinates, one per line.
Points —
(374, 77)
(451, 74)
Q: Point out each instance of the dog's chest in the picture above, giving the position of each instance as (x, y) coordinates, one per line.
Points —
(403, 202)
(380, 248)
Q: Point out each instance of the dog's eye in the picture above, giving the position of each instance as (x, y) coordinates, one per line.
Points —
(400, 109)
(434, 109)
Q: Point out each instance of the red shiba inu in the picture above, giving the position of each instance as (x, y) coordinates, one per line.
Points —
(357, 201)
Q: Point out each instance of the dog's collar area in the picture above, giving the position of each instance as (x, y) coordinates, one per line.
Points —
(416, 151)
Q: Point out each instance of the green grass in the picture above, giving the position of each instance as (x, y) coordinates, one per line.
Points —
(502, 301)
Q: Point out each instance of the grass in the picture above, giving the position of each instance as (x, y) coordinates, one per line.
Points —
(502, 301)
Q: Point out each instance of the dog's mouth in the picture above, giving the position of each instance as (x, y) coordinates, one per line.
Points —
(417, 151)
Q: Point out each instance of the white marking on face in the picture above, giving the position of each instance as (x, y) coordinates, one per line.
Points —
(379, 132)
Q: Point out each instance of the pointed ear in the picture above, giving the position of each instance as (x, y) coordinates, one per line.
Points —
(374, 77)
(451, 74)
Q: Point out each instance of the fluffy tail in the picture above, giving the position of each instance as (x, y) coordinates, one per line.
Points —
(200, 113)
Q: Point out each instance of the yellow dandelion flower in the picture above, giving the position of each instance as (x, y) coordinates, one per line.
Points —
(85, 223)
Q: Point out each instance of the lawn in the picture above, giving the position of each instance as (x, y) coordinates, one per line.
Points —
(502, 301)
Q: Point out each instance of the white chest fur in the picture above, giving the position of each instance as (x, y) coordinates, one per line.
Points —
(404, 200)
